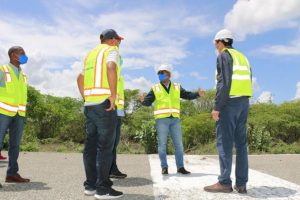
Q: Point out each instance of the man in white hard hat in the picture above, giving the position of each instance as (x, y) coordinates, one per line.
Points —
(166, 97)
(234, 87)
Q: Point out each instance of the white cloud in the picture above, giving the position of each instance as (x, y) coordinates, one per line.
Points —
(197, 76)
(140, 83)
(265, 97)
(291, 49)
(257, 16)
(297, 96)
(57, 46)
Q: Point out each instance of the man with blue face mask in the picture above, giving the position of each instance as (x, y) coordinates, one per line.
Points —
(166, 98)
(13, 100)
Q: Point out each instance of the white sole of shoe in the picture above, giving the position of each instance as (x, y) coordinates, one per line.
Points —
(106, 196)
(89, 192)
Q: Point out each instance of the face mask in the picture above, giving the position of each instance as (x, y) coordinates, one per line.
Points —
(162, 77)
(217, 52)
(23, 59)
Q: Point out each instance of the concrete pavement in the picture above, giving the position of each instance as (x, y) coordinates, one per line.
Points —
(60, 176)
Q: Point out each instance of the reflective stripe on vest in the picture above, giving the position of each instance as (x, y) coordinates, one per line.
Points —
(166, 110)
(7, 74)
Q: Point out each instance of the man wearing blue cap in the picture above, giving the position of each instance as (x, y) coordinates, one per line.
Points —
(98, 85)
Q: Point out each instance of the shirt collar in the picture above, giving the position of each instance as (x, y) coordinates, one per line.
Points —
(14, 67)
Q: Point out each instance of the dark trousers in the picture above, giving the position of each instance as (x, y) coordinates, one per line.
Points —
(15, 126)
(98, 147)
(231, 129)
(114, 167)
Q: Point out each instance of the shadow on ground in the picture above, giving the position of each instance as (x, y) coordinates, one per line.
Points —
(137, 197)
(132, 182)
(19, 187)
(265, 192)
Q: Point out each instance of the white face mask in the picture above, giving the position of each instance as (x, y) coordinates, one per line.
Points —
(217, 52)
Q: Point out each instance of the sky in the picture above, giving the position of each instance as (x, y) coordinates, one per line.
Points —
(57, 35)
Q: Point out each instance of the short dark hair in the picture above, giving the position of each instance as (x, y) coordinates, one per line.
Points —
(227, 42)
(14, 49)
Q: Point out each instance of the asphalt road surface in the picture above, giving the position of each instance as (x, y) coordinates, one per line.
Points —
(60, 176)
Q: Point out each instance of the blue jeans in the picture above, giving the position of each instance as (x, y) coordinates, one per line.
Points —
(114, 167)
(231, 129)
(98, 146)
(165, 126)
(15, 126)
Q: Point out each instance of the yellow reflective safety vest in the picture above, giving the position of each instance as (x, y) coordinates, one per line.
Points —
(13, 97)
(120, 92)
(241, 83)
(166, 104)
(96, 87)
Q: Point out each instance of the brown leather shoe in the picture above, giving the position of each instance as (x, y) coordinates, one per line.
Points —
(16, 179)
(218, 188)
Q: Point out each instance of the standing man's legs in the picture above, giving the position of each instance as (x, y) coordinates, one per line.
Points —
(4, 124)
(176, 136)
(162, 128)
(240, 137)
(105, 122)
(89, 154)
(15, 136)
(114, 171)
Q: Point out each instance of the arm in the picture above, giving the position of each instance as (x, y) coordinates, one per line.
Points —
(148, 99)
(224, 67)
(112, 81)
(188, 95)
(80, 84)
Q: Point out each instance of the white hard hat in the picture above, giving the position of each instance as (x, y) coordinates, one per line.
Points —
(164, 67)
(223, 34)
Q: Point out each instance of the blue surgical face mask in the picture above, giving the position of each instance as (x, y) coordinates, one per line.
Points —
(161, 77)
(23, 59)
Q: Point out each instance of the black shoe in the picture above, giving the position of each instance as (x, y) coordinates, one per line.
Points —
(240, 189)
(112, 194)
(0, 185)
(164, 171)
(183, 171)
(117, 174)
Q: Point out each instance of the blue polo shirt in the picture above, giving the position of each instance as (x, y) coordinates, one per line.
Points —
(16, 71)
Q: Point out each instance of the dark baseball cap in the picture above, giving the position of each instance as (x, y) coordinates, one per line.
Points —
(109, 34)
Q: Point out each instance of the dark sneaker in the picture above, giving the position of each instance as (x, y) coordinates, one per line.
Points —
(89, 192)
(0, 185)
(183, 171)
(241, 189)
(117, 174)
(218, 188)
(164, 171)
(112, 194)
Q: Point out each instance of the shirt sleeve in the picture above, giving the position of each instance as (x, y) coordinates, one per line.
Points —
(149, 98)
(187, 94)
(224, 78)
(112, 56)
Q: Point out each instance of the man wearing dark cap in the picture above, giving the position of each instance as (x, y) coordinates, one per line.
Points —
(98, 86)
(13, 100)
